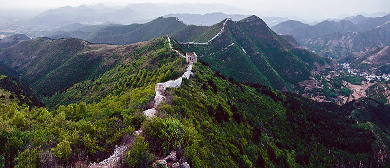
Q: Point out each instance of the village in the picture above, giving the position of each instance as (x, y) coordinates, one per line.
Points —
(369, 77)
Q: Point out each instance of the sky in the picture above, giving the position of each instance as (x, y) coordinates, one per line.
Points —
(303, 9)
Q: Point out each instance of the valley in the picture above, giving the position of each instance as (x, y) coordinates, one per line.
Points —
(130, 96)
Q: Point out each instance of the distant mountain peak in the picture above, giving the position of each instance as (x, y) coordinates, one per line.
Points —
(254, 20)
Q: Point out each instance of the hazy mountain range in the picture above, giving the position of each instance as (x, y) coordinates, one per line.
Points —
(132, 13)
(338, 39)
(71, 18)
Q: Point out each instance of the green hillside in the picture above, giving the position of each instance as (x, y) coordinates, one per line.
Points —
(12, 90)
(38, 61)
(141, 67)
(245, 126)
(248, 51)
(51, 66)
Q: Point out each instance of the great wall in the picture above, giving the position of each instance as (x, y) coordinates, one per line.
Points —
(217, 35)
(120, 151)
(115, 159)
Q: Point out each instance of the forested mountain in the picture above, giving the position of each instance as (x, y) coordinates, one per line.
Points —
(44, 62)
(229, 113)
(127, 34)
(260, 51)
(248, 51)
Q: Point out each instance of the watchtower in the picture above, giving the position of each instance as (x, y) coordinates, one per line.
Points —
(191, 57)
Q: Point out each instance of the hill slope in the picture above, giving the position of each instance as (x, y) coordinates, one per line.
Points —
(12, 90)
(139, 66)
(51, 66)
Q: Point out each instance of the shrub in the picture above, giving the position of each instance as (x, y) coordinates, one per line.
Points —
(164, 135)
(28, 158)
(19, 120)
(138, 155)
(62, 151)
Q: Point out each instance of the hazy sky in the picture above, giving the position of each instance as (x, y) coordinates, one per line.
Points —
(304, 9)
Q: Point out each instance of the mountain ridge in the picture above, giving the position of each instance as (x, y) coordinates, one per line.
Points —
(126, 34)
(252, 42)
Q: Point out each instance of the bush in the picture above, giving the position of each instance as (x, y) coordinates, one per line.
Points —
(138, 155)
(28, 158)
(19, 120)
(134, 120)
(164, 135)
(63, 151)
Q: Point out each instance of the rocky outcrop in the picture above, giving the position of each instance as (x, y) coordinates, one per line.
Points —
(171, 161)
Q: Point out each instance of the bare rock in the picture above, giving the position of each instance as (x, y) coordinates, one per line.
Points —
(185, 165)
(160, 162)
(176, 165)
(171, 157)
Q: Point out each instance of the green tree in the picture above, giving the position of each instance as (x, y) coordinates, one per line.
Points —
(63, 151)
